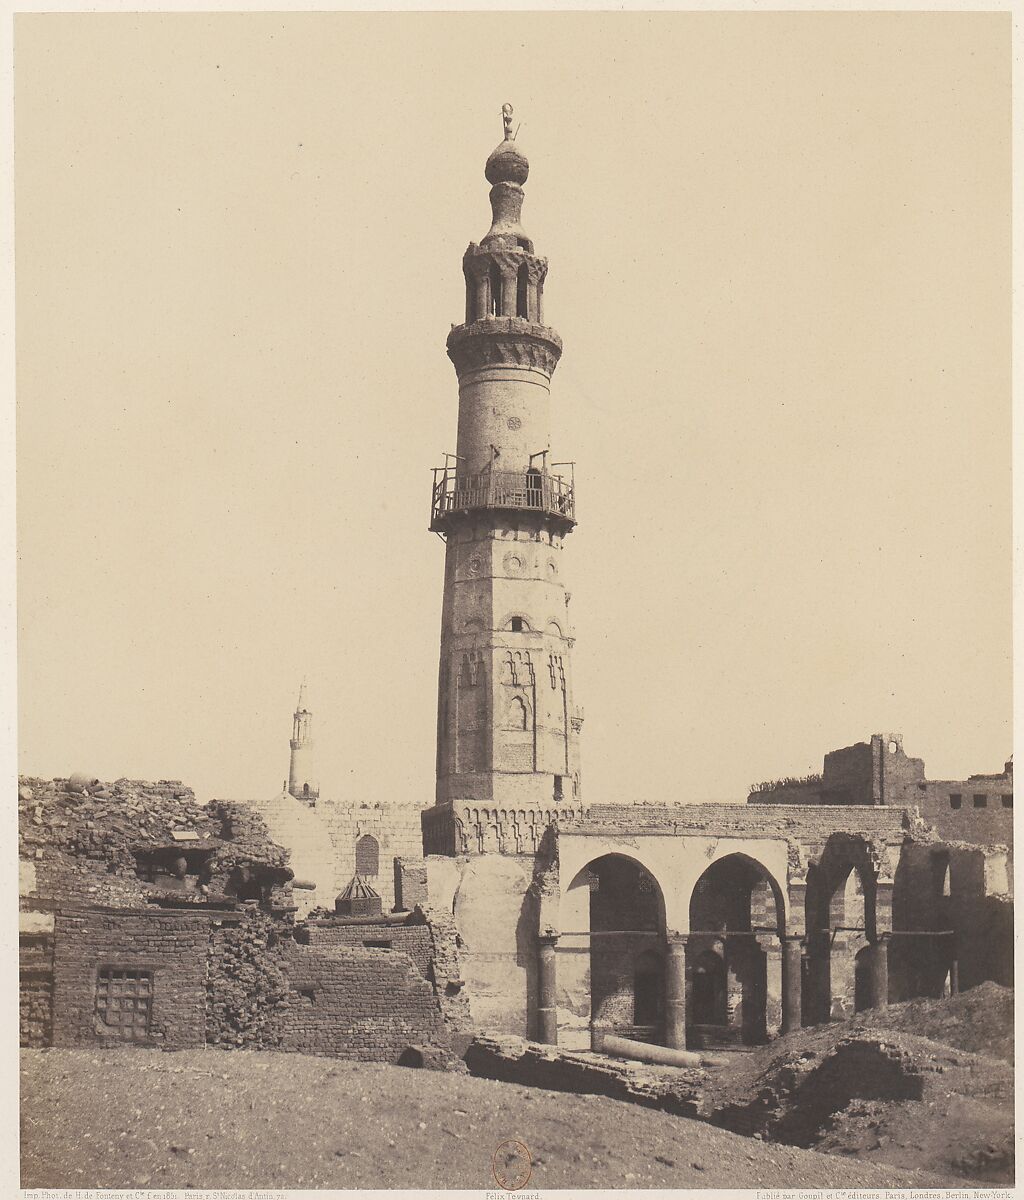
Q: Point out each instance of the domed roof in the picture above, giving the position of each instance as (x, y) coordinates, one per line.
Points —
(507, 164)
(359, 889)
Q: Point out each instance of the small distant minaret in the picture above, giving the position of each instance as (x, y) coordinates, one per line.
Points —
(300, 771)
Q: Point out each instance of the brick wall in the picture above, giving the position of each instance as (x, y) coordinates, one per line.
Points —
(410, 883)
(977, 809)
(169, 945)
(413, 940)
(446, 971)
(354, 1003)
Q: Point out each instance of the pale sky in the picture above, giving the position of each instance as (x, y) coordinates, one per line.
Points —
(779, 253)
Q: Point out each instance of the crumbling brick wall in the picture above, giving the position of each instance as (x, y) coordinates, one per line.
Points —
(169, 945)
(36, 989)
(246, 986)
(354, 1003)
(410, 883)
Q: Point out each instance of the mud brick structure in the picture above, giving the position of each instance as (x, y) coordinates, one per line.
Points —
(132, 936)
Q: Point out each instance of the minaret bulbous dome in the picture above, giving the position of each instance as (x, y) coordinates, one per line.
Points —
(507, 164)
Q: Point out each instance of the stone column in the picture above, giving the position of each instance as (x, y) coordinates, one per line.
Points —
(547, 1005)
(880, 972)
(675, 992)
(771, 948)
(509, 289)
(792, 955)
(537, 269)
(477, 288)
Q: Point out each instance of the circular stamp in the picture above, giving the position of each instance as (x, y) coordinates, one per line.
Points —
(512, 1165)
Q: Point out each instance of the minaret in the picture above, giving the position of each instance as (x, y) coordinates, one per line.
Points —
(507, 731)
(300, 769)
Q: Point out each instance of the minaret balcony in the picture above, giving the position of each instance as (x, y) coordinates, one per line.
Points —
(456, 494)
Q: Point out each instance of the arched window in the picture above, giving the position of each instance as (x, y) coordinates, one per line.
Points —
(367, 856)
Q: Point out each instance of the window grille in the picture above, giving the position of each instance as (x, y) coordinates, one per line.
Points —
(124, 1002)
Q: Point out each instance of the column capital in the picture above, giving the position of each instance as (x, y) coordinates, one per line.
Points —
(549, 937)
(674, 938)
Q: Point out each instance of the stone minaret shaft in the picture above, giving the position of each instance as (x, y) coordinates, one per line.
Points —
(507, 731)
(301, 783)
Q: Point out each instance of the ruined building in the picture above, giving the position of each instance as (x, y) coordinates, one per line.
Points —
(148, 919)
(977, 809)
(512, 903)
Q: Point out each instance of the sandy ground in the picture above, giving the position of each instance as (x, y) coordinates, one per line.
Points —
(209, 1119)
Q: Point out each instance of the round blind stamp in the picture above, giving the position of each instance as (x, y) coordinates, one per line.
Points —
(512, 1165)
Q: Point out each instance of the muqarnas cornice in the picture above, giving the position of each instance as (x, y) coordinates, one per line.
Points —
(504, 342)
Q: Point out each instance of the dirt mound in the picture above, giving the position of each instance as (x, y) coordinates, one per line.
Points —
(257, 1119)
(979, 1020)
(881, 1094)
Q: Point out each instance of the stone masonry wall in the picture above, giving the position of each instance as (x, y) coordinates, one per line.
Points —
(395, 827)
(171, 945)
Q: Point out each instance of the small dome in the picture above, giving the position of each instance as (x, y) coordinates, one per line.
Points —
(507, 164)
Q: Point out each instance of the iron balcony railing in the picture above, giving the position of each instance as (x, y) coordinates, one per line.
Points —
(532, 490)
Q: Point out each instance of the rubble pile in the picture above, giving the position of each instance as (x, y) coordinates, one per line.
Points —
(85, 839)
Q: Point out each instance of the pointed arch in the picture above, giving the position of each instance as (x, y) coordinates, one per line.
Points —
(517, 715)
